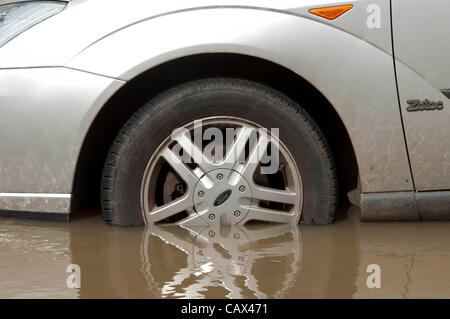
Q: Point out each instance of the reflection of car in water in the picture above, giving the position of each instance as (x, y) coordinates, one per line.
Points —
(275, 261)
(326, 262)
(233, 259)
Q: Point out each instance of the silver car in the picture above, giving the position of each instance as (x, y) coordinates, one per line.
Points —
(225, 112)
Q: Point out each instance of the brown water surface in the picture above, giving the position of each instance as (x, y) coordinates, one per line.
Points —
(258, 261)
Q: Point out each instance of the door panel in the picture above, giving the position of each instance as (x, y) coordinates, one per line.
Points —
(421, 31)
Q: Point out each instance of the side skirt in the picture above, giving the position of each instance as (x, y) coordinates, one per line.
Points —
(57, 217)
(406, 206)
(35, 205)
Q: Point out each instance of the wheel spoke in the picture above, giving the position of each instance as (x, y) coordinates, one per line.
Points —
(193, 219)
(180, 168)
(269, 215)
(172, 208)
(195, 152)
(236, 152)
(274, 195)
(256, 154)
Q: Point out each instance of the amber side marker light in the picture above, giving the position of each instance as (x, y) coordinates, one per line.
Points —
(331, 13)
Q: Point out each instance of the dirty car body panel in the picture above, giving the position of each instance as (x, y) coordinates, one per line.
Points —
(57, 76)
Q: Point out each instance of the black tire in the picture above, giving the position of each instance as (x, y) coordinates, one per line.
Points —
(153, 122)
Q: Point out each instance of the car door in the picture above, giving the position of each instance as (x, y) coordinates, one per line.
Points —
(421, 37)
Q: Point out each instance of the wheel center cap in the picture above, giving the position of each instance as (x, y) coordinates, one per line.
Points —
(222, 196)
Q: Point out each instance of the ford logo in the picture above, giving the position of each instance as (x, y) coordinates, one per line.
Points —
(222, 198)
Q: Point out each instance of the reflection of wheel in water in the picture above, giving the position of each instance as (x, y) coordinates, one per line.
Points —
(254, 261)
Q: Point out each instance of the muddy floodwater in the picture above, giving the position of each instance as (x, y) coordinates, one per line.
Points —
(258, 261)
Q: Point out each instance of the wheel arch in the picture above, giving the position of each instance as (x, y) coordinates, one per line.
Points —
(120, 107)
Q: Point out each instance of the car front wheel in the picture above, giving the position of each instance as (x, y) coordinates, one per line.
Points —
(219, 151)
